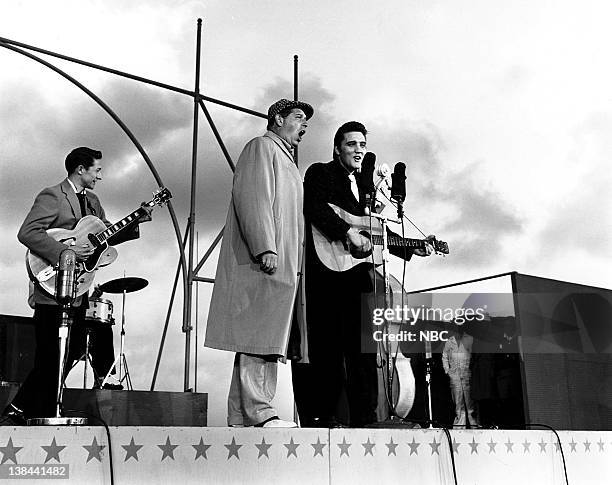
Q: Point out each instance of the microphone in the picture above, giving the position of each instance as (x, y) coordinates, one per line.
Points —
(65, 288)
(383, 171)
(367, 172)
(398, 182)
(398, 187)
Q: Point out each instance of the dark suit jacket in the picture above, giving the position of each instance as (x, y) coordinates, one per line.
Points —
(326, 183)
(58, 207)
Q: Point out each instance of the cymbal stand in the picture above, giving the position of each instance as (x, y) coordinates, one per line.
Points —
(124, 373)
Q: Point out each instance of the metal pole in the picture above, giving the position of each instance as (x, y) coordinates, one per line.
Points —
(295, 98)
(165, 331)
(213, 127)
(194, 165)
(197, 326)
(209, 251)
(131, 76)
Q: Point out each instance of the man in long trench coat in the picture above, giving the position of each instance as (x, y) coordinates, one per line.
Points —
(257, 274)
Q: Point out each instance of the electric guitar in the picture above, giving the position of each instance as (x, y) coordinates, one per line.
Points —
(339, 256)
(92, 230)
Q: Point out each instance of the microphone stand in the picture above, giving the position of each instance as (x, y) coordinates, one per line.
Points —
(428, 373)
(65, 323)
(393, 420)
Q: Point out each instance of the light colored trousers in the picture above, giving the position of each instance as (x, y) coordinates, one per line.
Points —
(461, 391)
(252, 389)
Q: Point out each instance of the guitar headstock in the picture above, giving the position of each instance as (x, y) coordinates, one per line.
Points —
(160, 197)
(440, 247)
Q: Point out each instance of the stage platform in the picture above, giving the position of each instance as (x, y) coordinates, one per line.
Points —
(163, 455)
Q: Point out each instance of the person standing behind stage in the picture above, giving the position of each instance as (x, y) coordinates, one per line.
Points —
(60, 206)
(456, 357)
(257, 275)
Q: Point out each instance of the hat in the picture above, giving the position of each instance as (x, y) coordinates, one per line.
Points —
(283, 104)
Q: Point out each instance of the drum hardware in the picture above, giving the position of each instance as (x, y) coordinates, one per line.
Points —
(122, 285)
(99, 313)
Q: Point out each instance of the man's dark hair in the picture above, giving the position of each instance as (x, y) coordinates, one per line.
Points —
(284, 113)
(81, 156)
(348, 127)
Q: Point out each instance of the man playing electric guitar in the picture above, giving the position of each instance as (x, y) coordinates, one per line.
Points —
(60, 206)
(336, 301)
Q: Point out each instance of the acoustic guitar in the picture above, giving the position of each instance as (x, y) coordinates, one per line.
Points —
(339, 256)
(92, 230)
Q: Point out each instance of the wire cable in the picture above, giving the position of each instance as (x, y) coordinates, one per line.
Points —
(108, 437)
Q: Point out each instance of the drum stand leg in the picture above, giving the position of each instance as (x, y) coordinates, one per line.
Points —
(88, 359)
(124, 374)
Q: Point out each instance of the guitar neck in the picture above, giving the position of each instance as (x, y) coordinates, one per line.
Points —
(118, 226)
(398, 241)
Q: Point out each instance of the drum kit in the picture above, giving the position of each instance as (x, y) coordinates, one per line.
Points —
(100, 313)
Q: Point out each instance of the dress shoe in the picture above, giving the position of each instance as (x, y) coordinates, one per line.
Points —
(327, 423)
(112, 387)
(279, 423)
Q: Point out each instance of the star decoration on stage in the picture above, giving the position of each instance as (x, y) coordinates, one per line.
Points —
(492, 446)
(53, 451)
(94, 450)
(557, 446)
(167, 449)
(391, 447)
(542, 444)
(600, 444)
(131, 450)
(455, 446)
(291, 448)
(435, 446)
(201, 449)
(9, 452)
(368, 447)
(526, 445)
(318, 447)
(344, 447)
(587, 446)
(414, 447)
(509, 444)
(474, 446)
(573, 445)
(263, 448)
(232, 449)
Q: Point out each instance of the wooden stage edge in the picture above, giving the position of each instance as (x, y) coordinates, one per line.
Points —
(129, 408)
(161, 455)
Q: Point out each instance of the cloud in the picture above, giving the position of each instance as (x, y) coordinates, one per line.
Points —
(581, 221)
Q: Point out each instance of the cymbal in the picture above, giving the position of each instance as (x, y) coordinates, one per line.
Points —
(120, 285)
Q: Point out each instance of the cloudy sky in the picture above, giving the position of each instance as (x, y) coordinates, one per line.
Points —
(502, 112)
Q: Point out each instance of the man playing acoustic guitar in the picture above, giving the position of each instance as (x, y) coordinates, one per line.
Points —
(61, 206)
(336, 299)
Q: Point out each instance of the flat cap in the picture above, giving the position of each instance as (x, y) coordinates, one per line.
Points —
(283, 104)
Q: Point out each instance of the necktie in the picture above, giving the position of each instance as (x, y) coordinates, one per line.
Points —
(354, 188)
(82, 202)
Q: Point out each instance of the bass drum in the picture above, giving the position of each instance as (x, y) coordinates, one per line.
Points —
(100, 312)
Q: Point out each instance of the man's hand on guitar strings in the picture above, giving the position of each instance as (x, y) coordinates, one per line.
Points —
(361, 243)
(82, 251)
